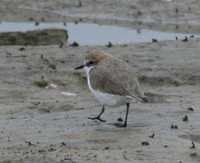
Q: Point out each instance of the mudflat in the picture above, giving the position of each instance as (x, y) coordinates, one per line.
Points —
(45, 103)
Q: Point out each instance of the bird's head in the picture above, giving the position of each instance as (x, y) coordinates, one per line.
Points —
(92, 59)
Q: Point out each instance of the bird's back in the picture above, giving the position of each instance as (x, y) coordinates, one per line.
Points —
(114, 76)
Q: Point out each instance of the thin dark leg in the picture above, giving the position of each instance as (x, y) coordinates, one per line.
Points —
(98, 117)
(126, 117)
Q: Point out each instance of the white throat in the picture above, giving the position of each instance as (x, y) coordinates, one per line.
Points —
(87, 70)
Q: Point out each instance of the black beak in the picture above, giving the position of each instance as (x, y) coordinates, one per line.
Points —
(90, 63)
(79, 67)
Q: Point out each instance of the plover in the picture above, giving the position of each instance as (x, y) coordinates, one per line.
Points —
(112, 81)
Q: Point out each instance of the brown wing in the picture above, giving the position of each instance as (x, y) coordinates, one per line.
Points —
(116, 77)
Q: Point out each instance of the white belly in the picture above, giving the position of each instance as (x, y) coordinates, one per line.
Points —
(105, 98)
(109, 99)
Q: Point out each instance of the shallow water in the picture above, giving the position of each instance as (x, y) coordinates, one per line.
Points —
(94, 34)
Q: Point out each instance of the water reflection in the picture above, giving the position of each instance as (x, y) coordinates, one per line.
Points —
(94, 34)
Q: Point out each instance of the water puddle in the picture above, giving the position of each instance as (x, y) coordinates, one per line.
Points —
(94, 34)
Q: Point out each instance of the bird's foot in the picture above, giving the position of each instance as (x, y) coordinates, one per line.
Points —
(97, 118)
(120, 125)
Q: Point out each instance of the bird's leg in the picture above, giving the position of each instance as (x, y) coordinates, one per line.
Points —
(98, 117)
(126, 117)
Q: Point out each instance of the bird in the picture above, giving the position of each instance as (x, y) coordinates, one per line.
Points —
(112, 81)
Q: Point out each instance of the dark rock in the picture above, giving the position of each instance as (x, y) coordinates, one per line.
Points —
(109, 45)
(74, 44)
(145, 143)
(185, 118)
(36, 37)
(190, 109)
(173, 126)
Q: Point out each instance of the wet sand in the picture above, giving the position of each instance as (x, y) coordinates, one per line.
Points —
(39, 123)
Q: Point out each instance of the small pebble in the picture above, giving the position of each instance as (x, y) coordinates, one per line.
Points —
(74, 44)
(119, 119)
(165, 146)
(173, 126)
(152, 136)
(154, 40)
(37, 23)
(176, 10)
(193, 154)
(21, 49)
(107, 148)
(29, 143)
(31, 19)
(185, 39)
(193, 146)
(109, 45)
(185, 118)
(191, 36)
(190, 109)
(145, 143)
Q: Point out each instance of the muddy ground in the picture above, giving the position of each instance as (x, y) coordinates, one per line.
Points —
(40, 123)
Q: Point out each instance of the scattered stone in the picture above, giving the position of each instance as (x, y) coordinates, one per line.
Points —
(154, 40)
(139, 13)
(29, 143)
(119, 119)
(193, 154)
(176, 10)
(22, 49)
(74, 44)
(107, 148)
(51, 149)
(185, 39)
(191, 36)
(145, 143)
(37, 23)
(63, 144)
(193, 146)
(152, 136)
(109, 45)
(190, 109)
(52, 66)
(41, 151)
(31, 19)
(173, 126)
(41, 83)
(185, 118)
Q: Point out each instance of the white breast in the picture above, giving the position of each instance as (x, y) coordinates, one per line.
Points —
(105, 98)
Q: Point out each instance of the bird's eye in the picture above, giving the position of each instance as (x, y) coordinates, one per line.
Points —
(90, 63)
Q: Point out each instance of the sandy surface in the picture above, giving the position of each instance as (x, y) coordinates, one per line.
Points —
(39, 124)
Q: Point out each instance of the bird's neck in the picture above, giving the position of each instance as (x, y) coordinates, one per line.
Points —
(87, 70)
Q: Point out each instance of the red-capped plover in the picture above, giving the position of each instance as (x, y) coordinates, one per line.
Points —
(112, 81)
